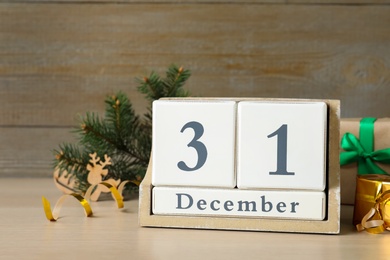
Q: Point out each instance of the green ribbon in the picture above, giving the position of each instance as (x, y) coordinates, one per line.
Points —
(362, 151)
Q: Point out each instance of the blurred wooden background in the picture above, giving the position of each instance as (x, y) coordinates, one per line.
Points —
(62, 58)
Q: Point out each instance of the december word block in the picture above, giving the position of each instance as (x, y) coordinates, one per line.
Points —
(281, 145)
(233, 202)
(194, 143)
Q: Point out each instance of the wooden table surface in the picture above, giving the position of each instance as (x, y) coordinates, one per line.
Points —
(112, 233)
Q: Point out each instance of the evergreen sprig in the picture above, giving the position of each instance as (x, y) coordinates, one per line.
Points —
(121, 134)
(154, 87)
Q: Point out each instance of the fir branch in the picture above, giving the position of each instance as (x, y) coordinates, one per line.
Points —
(175, 80)
(69, 157)
(120, 113)
(155, 88)
(151, 86)
(95, 132)
(72, 161)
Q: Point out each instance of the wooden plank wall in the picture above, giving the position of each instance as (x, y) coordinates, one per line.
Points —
(61, 58)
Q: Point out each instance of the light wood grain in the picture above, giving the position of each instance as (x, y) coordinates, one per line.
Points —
(74, 55)
(322, 2)
(59, 59)
(28, 151)
(113, 233)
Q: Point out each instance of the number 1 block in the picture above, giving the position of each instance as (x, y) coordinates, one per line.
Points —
(281, 145)
(194, 143)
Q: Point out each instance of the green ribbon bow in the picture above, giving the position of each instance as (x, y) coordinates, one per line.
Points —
(363, 151)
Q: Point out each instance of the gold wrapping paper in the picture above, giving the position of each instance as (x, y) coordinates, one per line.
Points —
(372, 192)
(349, 172)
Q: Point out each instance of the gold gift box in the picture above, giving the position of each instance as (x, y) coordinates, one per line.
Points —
(369, 189)
(348, 172)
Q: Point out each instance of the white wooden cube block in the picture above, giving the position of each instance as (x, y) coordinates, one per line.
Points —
(194, 143)
(281, 145)
(307, 205)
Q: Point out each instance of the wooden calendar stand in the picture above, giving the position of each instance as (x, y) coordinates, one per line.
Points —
(330, 225)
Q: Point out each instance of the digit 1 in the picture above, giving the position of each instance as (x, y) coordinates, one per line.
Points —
(281, 168)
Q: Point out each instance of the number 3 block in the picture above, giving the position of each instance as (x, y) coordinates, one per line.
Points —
(194, 143)
(281, 145)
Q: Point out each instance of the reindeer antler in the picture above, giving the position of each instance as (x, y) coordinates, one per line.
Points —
(107, 161)
(94, 159)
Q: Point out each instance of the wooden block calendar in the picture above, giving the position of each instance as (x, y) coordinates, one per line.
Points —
(244, 164)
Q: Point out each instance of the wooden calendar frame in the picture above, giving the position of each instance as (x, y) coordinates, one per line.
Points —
(331, 224)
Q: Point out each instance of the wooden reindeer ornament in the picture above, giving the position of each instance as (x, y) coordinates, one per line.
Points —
(96, 175)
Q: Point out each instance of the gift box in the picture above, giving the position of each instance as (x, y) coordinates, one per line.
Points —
(364, 150)
(372, 203)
